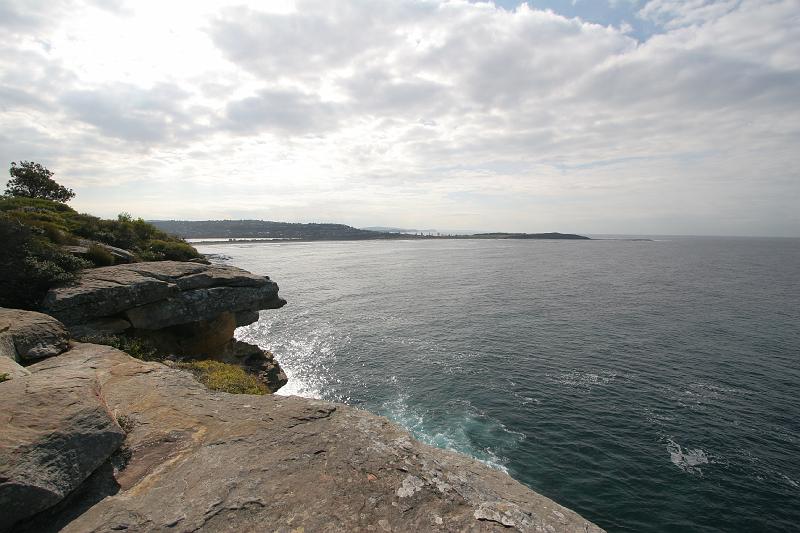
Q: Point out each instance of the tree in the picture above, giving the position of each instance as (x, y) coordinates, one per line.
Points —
(32, 180)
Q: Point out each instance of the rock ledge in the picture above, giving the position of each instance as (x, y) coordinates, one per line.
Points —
(206, 461)
(184, 309)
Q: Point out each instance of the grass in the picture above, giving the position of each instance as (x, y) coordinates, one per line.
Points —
(224, 377)
(99, 256)
(4, 377)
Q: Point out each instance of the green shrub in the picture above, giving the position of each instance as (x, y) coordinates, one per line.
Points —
(63, 225)
(4, 377)
(54, 232)
(10, 203)
(30, 264)
(99, 255)
(138, 348)
(172, 251)
(224, 377)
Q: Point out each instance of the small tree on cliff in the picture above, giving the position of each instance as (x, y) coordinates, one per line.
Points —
(32, 180)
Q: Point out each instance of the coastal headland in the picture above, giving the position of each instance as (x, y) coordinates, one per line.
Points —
(265, 230)
(126, 404)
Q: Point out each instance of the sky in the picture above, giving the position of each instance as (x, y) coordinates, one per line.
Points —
(585, 116)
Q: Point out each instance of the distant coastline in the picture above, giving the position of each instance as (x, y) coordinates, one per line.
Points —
(218, 231)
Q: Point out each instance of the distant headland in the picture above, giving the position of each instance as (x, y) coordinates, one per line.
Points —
(264, 230)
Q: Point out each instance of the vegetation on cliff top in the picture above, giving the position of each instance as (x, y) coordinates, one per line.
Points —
(36, 226)
(224, 377)
(134, 347)
(215, 375)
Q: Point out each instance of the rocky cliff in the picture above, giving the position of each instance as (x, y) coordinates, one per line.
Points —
(94, 440)
(180, 308)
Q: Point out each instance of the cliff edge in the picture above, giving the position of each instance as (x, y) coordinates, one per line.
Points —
(181, 309)
(94, 440)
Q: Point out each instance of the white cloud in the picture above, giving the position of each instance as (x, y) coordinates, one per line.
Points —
(417, 113)
(677, 13)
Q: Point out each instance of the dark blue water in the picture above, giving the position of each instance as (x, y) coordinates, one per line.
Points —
(650, 386)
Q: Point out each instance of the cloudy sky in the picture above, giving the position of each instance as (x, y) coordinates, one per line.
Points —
(593, 116)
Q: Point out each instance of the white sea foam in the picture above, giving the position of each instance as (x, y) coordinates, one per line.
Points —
(790, 481)
(305, 352)
(454, 434)
(578, 379)
(687, 460)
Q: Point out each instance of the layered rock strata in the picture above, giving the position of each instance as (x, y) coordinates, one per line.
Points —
(198, 460)
(181, 308)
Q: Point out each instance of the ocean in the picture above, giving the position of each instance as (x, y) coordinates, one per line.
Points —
(651, 386)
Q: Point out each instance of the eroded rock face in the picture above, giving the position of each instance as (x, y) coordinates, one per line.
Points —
(209, 461)
(160, 294)
(55, 430)
(182, 308)
(27, 336)
(256, 361)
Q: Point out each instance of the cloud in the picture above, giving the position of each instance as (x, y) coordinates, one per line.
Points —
(131, 113)
(677, 13)
(25, 16)
(316, 37)
(422, 107)
(284, 111)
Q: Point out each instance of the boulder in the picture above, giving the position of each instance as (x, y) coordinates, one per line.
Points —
(84, 245)
(27, 336)
(256, 361)
(55, 430)
(209, 461)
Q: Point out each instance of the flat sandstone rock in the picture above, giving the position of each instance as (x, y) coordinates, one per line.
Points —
(55, 430)
(210, 461)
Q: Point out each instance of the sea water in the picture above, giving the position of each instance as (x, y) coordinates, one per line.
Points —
(648, 385)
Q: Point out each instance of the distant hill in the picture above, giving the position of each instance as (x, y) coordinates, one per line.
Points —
(384, 229)
(243, 229)
(265, 229)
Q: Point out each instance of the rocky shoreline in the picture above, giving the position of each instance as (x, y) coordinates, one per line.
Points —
(92, 439)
